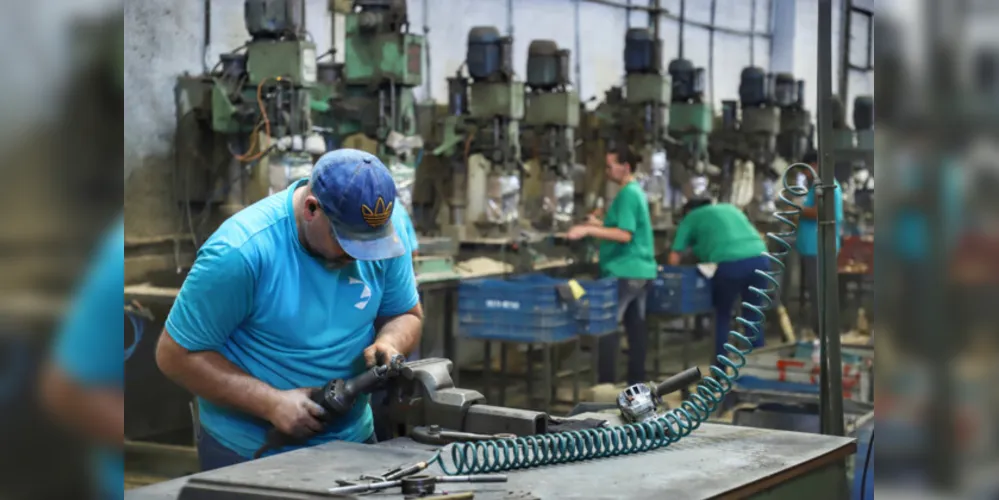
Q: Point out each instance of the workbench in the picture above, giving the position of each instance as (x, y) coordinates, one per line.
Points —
(716, 461)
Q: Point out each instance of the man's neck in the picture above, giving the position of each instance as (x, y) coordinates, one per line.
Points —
(626, 179)
(298, 206)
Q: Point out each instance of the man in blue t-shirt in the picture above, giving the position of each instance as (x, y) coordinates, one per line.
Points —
(83, 386)
(807, 241)
(285, 296)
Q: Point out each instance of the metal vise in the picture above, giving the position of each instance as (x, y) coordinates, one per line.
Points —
(423, 394)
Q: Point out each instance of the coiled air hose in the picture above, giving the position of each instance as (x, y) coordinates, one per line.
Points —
(479, 457)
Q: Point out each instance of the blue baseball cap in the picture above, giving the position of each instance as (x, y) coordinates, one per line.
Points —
(357, 193)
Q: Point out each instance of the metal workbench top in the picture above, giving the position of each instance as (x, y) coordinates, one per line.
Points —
(714, 460)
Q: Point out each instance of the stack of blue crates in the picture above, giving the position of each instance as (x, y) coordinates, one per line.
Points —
(528, 308)
(596, 311)
(679, 290)
(513, 311)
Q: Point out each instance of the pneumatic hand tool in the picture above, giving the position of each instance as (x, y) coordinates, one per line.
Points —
(641, 402)
(337, 397)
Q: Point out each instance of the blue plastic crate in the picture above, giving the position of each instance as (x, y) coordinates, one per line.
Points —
(514, 311)
(679, 290)
(503, 331)
(596, 311)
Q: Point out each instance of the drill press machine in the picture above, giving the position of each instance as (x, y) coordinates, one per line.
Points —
(478, 141)
(690, 122)
(370, 98)
(796, 128)
(249, 117)
(746, 142)
(551, 117)
(639, 117)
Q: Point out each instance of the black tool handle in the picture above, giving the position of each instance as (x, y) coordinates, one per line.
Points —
(679, 381)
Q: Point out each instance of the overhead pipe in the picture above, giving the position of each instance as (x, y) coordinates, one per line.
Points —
(680, 30)
(509, 18)
(577, 46)
(207, 41)
(752, 28)
(428, 91)
(711, 52)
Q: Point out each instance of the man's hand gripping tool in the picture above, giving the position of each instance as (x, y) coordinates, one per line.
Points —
(337, 397)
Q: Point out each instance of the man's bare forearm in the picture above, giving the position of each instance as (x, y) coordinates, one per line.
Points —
(403, 331)
(611, 234)
(209, 375)
(97, 413)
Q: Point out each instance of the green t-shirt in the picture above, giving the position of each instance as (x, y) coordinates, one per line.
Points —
(718, 233)
(636, 259)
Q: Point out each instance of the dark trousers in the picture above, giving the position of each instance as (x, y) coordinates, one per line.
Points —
(730, 282)
(631, 312)
(214, 455)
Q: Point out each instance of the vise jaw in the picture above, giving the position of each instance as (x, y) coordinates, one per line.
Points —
(424, 394)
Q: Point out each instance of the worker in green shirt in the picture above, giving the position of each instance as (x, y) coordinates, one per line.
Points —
(722, 234)
(626, 253)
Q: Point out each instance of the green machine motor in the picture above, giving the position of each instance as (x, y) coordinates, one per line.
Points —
(378, 47)
(690, 117)
(371, 93)
(267, 87)
(548, 139)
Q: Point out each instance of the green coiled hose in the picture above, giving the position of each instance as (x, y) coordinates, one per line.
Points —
(498, 455)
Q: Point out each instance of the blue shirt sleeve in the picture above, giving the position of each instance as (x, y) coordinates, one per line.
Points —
(413, 240)
(87, 347)
(214, 299)
(839, 206)
(400, 293)
(809, 199)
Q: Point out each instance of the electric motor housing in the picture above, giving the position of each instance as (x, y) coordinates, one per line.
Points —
(543, 65)
(270, 19)
(863, 112)
(642, 51)
(785, 90)
(753, 90)
(488, 53)
(688, 81)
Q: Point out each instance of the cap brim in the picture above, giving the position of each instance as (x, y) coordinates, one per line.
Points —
(386, 244)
